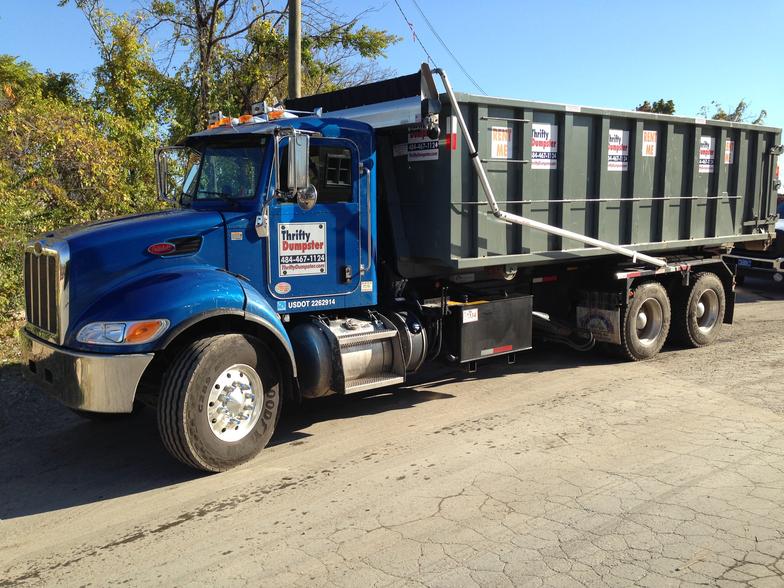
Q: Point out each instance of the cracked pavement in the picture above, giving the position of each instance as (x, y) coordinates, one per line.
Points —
(565, 469)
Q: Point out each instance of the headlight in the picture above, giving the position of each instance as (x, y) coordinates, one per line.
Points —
(125, 333)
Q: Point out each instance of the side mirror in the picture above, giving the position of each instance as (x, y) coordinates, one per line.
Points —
(299, 160)
(161, 175)
(307, 197)
(176, 168)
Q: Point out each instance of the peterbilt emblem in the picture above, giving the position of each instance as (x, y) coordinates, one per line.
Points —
(38, 248)
(162, 248)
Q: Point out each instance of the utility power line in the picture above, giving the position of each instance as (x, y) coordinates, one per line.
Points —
(444, 45)
(413, 32)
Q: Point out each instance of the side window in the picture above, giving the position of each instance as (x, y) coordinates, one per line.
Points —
(331, 172)
(338, 170)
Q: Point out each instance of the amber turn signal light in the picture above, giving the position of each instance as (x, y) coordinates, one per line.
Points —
(142, 331)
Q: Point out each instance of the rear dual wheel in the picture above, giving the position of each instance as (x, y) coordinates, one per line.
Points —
(699, 314)
(646, 322)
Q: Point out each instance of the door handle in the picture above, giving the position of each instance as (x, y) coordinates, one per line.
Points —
(262, 222)
(362, 267)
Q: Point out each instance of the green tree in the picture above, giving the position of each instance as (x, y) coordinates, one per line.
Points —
(63, 86)
(18, 79)
(63, 162)
(659, 106)
(741, 113)
(126, 79)
(237, 52)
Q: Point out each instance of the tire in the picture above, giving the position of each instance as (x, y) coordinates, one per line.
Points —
(213, 375)
(646, 322)
(697, 326)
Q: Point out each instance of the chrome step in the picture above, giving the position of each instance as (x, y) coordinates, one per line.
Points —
(379, 381)
(360, 338)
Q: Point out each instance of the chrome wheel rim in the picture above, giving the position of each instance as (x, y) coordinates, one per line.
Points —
(707, 311)
(649, 322)
(234, 404)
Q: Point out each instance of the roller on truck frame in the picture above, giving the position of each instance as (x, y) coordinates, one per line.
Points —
(338, 244)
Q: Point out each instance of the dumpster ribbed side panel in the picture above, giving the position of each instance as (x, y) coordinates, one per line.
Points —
(654, 182)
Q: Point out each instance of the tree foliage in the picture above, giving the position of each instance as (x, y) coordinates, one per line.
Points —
(741, 113)
(68, 159)
(237, 52)
(660, 106)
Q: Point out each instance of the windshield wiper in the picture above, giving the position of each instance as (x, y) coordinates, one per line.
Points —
(225, 196)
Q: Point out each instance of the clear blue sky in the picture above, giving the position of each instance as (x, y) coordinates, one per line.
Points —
(609, 53)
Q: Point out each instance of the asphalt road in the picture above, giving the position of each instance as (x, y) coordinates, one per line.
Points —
(564, 469)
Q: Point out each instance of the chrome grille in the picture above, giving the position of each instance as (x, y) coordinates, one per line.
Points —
(42, 289)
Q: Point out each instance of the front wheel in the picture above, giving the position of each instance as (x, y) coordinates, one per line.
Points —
(219, 402)
(646, 322)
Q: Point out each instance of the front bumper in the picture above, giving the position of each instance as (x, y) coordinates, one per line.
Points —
(86, 381)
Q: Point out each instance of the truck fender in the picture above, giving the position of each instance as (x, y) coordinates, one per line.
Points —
(178, 295)
(258, 323)
(244, 303)
(259, 311)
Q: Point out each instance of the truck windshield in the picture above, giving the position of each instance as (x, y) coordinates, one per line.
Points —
(228, 172)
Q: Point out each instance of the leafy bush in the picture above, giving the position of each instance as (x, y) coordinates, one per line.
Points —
(63, 162)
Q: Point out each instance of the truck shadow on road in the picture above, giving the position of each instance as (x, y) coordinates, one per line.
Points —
(429, 385)
(51, 459)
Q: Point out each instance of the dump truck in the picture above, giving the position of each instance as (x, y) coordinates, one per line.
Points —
(338, 243)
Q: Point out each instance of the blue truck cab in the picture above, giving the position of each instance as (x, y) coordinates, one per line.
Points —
(112, 305)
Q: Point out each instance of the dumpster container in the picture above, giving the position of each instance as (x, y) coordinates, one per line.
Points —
(657, 183)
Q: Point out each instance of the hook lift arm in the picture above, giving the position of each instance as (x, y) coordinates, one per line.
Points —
(520, 220)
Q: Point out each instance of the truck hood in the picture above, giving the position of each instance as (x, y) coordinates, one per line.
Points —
(105, 254)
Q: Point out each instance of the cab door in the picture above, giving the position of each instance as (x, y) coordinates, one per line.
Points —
(314, 255)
